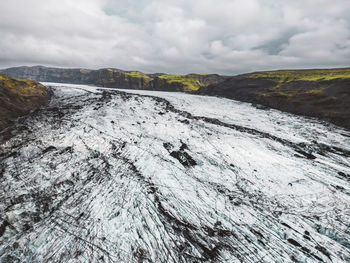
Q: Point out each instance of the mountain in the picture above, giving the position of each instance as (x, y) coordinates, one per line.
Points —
(322, 93)
(116, 78)
(18, 97)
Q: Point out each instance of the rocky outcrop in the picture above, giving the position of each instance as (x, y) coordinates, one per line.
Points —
(316, 93)
(116, 78)
(18, 97)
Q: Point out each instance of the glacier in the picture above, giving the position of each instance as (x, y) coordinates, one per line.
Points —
(108, 175)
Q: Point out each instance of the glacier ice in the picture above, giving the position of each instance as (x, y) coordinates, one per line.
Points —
(103, 175)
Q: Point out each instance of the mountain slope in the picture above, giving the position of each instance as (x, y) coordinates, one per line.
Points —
(317, 93)
(18, 97)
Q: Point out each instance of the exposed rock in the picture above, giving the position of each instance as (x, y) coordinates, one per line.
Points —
(181, 155)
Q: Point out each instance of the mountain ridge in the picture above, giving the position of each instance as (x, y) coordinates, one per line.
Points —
(116, 78)
(321, 93)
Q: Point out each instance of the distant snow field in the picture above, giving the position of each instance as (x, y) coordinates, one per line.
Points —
(103, 175)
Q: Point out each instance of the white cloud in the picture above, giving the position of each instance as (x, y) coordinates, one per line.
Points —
(226, 36)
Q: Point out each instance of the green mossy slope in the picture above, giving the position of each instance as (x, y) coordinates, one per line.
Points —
(18, 97)
(179, 83)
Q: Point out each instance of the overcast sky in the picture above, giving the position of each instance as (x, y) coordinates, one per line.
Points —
(176, 36)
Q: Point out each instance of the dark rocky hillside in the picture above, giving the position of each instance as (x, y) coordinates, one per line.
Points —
(18, 97)
(316, 93)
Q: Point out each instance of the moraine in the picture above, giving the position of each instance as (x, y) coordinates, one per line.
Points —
(103, 175)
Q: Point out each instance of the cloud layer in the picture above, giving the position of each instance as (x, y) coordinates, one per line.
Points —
(176, 36)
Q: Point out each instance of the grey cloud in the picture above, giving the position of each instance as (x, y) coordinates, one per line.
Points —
(176, 36)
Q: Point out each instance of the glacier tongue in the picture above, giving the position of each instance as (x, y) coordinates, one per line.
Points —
(102, 175)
